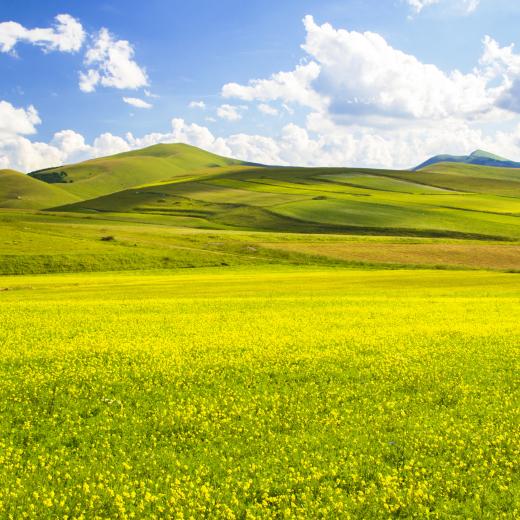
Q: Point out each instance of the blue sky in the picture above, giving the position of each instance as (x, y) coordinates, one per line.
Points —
(380, 82)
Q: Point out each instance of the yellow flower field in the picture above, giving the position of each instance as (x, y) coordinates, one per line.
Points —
(260, 393)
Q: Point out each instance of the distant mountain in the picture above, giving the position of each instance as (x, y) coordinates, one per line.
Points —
(478, 157)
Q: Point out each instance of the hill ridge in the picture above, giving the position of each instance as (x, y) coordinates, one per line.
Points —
(477, 158)
(104, 175)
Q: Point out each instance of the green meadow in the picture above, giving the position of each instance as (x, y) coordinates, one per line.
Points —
(265, 392)
(188, 336)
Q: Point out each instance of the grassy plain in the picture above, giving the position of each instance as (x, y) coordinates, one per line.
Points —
(187, 336)
(165, 395)
(46, 242)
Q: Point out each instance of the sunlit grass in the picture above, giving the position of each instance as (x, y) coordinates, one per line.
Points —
(267, 392)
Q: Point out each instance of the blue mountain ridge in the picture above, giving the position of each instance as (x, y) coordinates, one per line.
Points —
(478, 157)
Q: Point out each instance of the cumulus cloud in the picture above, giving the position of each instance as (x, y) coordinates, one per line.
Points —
(197, 104)
(17, 121)
(359, 78)
(230, 112)
(108, 144)
(504, 63)
(111, 63)
(67, 35)
(71, 145)
(362, 75)
(267, 109)
(17, 151)
(320, 143)
(293, 86)
(136, 102)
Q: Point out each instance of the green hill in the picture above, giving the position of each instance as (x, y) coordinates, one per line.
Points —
(324, 200)
(476, 171)
(180, 185)
(106, 175)
(18, 190)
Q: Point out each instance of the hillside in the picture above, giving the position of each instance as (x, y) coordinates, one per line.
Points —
(478, 157)
(325, 200)
(180, 185)
(474, 171)
(106, 175)
(18, 190)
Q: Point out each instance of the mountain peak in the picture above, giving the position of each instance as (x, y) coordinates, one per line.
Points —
(478, 157)
(487, 155)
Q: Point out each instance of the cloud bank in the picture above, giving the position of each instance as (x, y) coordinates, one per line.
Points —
(359, 100)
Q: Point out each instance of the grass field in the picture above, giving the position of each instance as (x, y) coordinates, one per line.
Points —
(160, 395)
(34, 242)
(188, 336)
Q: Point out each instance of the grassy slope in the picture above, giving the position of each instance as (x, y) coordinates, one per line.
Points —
(111, 174)
(473, 170)
(17, 190)
(61, 242)
(220, 216)
(330, 200)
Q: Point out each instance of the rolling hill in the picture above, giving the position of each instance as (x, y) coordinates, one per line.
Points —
(478, 157)
(184, 207)
(18, 190)
(106, 175)
(326, 200)
(180, 185)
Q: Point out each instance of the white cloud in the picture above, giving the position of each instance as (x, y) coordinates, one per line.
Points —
(197, 104)
(66, 146)
(88, 80)
(267, 109)
(358, 78)
(502, 62)
(19, 153)
(67, 35)
(109, 62)
(230, 112)
(289, 87)
(465, 6)
(362, 75)
(71, 145)
(288, 109)
(111, 65)
(108, 144)
(17, 121)
(136, 102)
(321, 143)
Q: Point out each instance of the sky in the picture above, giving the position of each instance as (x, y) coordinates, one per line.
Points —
(368, 83)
